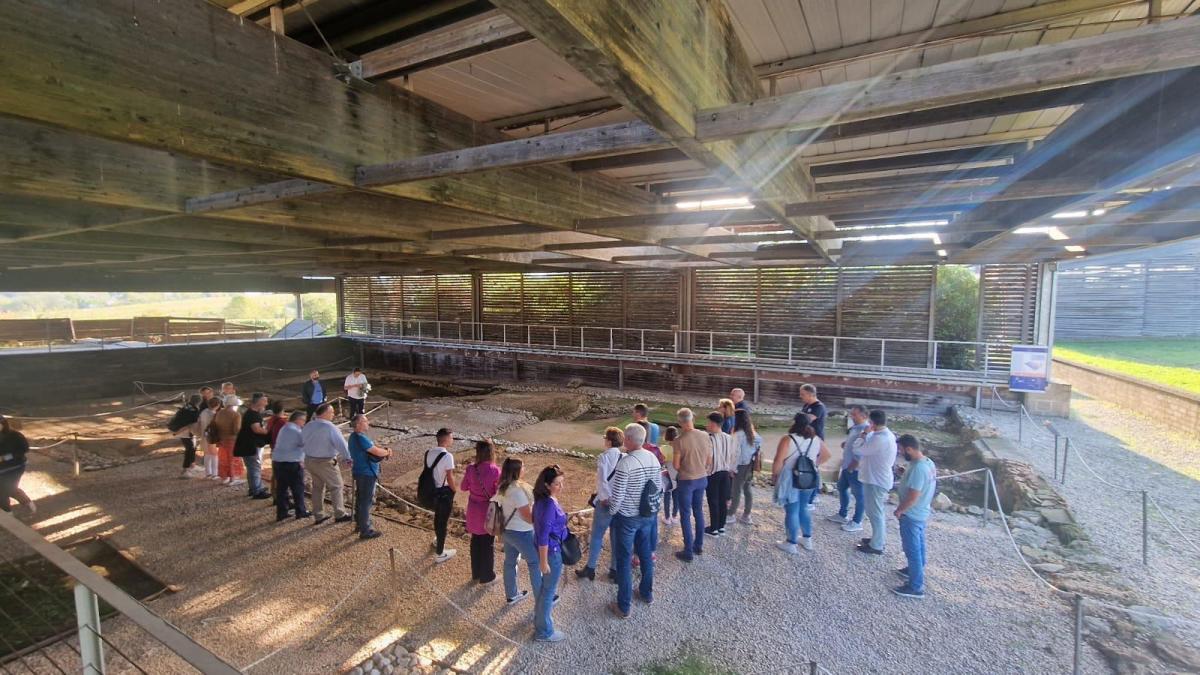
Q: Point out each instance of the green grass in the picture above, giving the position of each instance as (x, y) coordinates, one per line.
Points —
(1169, 362)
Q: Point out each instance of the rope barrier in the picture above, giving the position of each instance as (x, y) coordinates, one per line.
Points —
(1170, 522)
(47, 447)
(996, 395)
(310, 628)
(225, 378)
(171, 399)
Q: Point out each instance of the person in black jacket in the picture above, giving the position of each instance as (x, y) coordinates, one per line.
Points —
(250, 440)
(13, 450)
(312, 393)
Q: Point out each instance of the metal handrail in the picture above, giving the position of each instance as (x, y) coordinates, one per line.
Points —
(671, 341)
(90, 585)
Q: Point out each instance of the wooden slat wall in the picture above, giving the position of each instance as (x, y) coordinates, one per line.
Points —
(886, 302)
(1155, 297)
(356, 309)
(1008, 301)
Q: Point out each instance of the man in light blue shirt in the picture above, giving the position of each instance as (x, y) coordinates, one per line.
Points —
(875, 451)
(916, 499)
(323, 446)
(848, 482)
(287, 453)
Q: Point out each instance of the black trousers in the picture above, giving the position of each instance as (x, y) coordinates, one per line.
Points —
(483, 557)
(189, 451)
(719, 490)
(357, 407)
(312, 410)
(289, 479)
(443, 503)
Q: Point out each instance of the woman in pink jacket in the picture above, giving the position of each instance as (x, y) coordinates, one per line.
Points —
(480, 480)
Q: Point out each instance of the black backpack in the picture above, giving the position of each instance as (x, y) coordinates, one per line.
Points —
(426, 490)
(649, 502)
(184, 417)
(804, 472)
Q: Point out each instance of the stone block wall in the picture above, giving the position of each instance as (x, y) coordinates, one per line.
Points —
(1054, 402)
(1180, 407)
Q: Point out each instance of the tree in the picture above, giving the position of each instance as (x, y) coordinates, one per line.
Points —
(956, 314)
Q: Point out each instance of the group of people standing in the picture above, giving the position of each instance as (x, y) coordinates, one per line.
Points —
(637, 479)
(232, 435)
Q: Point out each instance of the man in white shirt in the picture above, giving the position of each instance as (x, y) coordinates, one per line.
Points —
(606, 466)
(443, 481)
(875, 451)
(720, 481)
(355, 386)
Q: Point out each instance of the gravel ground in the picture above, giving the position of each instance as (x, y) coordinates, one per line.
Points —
(251, 587)
(1137, 452)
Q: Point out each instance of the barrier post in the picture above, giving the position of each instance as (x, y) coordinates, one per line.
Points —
(812, 668)
(75, 455)
(1055, 456)
(87, 616)
(1066, 454)
(1078, 632)
(1145, 528)
(987, 493)
(1021, 425)
(392, 555)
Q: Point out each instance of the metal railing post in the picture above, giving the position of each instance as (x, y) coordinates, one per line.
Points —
(528, 335)
(1145, 528)
(987, 493)
(1055, 456)
(1020, 425)
(710, 343)
(882, 354)
(554, 336)
(789, 349)
(610, 340)
(749, 353)
(581, 338)
(87, 615)
(504, 333)
(75, 455)
(642, 346)
(1078, 633)
(835, 351)
(935, 355)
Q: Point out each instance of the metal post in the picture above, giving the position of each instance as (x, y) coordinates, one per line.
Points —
(1078, 632)
(1145, 528)
(987, 494)
(935, 360)
(749, 352)
(812, 668)
(620, 376)
(1055, 456)
(835, 351)
(642, 346)
(610, 340)
(554, 336)
(581, 338)
(756, 385)
(1020, 425)
(882, 352)
(504, 333)
(392, 555)
(1066, 454)
(87, 615)
(75, 456)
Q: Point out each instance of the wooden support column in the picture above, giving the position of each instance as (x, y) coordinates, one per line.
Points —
(277, 19)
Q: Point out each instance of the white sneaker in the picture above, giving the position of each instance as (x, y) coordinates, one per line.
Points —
(852, 526)
(236, 481)
(806, 542)
(786, 547)
(745, 520)
(185, 474)
(838, 519)
(446, 555)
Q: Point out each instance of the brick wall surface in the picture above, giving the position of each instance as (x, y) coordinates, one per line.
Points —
(1178, 408)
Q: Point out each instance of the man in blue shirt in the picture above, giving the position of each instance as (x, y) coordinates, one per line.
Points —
(313, 394)
(286, 455)
(848, 482)
(366, 457)
(641, 413)
(916, 498)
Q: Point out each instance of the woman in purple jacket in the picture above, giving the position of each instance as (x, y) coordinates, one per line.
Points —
(550, 529)
(480, 481)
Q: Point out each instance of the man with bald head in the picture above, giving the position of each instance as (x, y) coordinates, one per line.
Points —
(738, 396)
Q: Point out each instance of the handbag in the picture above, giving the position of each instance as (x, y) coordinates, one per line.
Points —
(570, 549)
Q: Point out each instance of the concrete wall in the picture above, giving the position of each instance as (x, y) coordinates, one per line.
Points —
(1180, 408)
(774, 387)
(46, 378)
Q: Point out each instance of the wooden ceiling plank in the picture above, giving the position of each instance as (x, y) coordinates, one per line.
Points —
(472, 36)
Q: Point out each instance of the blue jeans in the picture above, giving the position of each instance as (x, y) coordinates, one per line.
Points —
(634, 534)
(543, 625)
(848, 483)
(912, 540)
(254, 472)
(691, 504)
(796, 518)
(876, 498)
(601, 524)
(364, 497)
(520, 544)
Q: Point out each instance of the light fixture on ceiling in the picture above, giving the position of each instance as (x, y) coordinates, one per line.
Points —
(751, 233)
(1048, 230)
(942, 252)
(1070, 214)
(1099, 212)
(913, 223)
(1075, 248)
(715, 204)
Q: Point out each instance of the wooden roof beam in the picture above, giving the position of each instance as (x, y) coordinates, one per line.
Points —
(463, 39)
(668, 83)
(987, 153)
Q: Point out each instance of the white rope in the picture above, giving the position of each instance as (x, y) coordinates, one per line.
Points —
(1017, 548)
(225, 378)
(311, 627)
(171, 399)
(1170, 522)
(996, 395)
(47, 447)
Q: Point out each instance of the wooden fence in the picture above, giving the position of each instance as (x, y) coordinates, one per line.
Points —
(1155, 296)
(149, 329)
